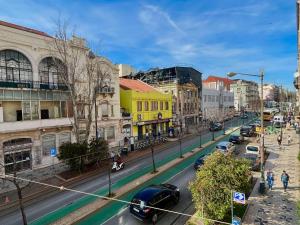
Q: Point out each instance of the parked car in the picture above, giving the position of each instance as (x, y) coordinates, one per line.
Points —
(236, 139)
(159, 196)
(244, 116)
(199, 162)
(254, 161)
(215, 127)
(252, 148)
(225, 147)
(246, 131)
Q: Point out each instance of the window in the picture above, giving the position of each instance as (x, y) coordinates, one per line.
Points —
(139, 106)
(154, 105)
(64, 138)
(110, 133)
(166, 105)
(26, 110)
(17, 155)
(104, 109)
(48, 142)
(161, 105)
(111, 110)
(14, 66)
(51, 70)
(146, 106)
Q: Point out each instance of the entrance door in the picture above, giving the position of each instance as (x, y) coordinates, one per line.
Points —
(44, 114)
(154, 129)
(140, 132)
(19, 115)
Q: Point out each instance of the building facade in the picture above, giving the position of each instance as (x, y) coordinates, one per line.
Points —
(185, 86)
(217, 105)
(246, 95)
(149, 108)
(217, 83)
(36, 113)
(270, 92)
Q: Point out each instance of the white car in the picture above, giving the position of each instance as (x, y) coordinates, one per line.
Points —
(225, 147)
(252, 148)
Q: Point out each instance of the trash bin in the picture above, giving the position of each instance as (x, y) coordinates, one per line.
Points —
(298, 130)
(262, 187)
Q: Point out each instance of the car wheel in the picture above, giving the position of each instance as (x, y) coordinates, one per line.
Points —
(154, 218)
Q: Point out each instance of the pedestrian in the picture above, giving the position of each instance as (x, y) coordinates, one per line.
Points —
(131, 143)
(279, 140)
(289, 139)
(270, 179)
(285, 180)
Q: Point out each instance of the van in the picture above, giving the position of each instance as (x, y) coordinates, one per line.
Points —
(278, 119)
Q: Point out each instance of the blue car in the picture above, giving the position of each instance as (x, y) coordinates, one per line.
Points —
(199, 162)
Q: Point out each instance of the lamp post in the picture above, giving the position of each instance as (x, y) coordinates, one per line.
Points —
(262, 149)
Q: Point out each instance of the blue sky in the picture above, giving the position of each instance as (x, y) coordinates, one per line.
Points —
(215, 37)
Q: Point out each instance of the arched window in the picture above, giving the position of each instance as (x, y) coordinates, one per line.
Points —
(51, 70)
(14, 66)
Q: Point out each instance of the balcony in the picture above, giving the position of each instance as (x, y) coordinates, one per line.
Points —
(16, 126)
(297, 82)
(32, 85)
(126, 115)
(105, 90)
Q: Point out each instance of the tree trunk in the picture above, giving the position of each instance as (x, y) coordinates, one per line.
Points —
(21, 202)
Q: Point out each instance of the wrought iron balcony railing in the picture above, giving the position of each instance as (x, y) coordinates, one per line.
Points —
(105, 90)
(32, 85)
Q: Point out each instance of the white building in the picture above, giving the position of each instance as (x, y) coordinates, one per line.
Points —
(216, 104)
(125, 70)
(35, 107)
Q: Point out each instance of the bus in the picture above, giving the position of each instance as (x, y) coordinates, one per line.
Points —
(268, 115)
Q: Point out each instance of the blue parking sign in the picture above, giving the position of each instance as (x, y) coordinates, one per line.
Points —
(239, 197)
(53, 152)
(236, 221)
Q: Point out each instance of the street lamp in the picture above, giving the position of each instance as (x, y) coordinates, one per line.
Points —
(262, 149)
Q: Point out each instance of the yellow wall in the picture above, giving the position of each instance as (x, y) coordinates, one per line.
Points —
(129, 99)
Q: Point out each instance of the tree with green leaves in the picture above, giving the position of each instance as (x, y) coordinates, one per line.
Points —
(72, 154)
(211, 189)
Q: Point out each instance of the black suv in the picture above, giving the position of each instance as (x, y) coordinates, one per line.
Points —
(159, 196)
(215, 127)
(247, 131)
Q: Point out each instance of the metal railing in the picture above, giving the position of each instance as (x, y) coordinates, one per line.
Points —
(105, 90)
(4, 83)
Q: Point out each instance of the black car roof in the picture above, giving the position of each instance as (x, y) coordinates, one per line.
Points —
(149, 192)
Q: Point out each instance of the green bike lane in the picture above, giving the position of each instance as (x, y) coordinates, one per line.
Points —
(65, 210)
(114, 207)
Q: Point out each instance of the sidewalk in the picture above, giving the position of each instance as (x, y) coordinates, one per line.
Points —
(276, 206)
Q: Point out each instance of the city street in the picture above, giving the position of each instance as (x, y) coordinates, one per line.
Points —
(60, 200)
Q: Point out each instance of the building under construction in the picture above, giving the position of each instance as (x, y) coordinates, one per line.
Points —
(185, 84)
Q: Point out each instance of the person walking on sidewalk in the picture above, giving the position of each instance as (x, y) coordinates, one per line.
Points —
(289, 139)
(279, 140)
(285, 180)
(270, 179)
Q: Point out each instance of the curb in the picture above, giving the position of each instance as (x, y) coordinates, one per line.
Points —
(100, 203)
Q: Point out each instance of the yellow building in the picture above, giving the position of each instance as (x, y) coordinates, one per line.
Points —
(150, 109)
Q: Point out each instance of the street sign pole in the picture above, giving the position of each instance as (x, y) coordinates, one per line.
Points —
(231, 193)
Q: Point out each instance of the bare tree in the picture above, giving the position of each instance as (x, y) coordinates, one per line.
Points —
(81, 72)
(19, 185)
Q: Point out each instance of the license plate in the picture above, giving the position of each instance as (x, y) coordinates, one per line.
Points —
(135, 209)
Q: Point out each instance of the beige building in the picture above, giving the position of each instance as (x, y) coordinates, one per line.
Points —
(35, 108)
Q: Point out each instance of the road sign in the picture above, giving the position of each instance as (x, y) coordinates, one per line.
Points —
(236, 221)
(239, 197)
(53, 152)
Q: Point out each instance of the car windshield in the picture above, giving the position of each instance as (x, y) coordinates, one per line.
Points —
(222, 147)
(252, 148)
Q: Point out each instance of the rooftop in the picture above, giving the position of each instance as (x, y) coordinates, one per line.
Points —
(209, 79)
(136, 85)
(11, 25)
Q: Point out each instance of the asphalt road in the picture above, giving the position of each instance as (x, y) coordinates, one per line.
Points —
(181, 180)
(60, 199)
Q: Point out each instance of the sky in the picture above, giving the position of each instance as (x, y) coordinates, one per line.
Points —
(215, 37)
